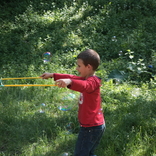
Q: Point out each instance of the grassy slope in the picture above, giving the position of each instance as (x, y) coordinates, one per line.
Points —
(30, 28)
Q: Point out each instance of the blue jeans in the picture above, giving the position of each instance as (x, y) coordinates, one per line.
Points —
(88, 140)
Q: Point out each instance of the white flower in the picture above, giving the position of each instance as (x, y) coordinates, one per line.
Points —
(131, 56)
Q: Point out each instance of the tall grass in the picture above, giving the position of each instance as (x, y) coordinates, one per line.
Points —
(30, 122)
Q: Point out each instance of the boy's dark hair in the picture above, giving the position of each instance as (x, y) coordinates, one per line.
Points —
(91, 57)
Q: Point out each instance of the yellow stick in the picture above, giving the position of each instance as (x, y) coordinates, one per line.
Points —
(21, 78)
(22, 85)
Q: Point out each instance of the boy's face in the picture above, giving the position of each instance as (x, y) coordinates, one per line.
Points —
(84, 71)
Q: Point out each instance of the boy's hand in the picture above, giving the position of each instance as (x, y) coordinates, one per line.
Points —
(47, 75)
(63, 82)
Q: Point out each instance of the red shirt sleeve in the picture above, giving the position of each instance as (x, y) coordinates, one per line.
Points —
(66, 76)
(89, 85)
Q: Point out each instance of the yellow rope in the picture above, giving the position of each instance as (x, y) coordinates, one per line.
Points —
(21, 78)
(22, 85)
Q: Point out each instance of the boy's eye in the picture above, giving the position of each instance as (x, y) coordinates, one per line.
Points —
(78, 65)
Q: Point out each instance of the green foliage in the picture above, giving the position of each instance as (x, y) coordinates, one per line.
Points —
(33, 27)
(134, 70)
(121, 31)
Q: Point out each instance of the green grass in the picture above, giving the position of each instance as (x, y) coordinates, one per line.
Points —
(65, 28)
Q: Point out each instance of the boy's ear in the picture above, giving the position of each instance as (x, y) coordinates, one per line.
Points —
(89, 66)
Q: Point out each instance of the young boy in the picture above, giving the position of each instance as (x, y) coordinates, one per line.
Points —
(90, 116)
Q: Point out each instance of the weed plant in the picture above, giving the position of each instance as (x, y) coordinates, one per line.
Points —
(122, 31)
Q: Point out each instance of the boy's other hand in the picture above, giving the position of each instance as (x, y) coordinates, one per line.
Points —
(47, 75)
(63, 82)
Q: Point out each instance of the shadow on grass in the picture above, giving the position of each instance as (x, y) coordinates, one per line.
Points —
(21, 131)
(23, 124)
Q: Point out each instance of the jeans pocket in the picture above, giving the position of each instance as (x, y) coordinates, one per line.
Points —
(95, 135)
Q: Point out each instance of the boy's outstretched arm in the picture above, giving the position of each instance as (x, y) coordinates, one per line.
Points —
(47, 75)
(62, 83)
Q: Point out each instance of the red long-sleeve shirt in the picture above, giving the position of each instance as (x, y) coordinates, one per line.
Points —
(90, 111)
